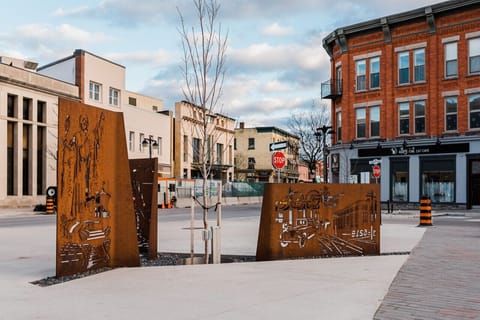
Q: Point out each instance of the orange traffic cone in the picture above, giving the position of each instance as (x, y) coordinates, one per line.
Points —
(163, 205)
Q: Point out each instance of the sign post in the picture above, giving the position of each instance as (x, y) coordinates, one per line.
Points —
(278, 162)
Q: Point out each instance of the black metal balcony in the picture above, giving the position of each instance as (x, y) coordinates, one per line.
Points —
(331, 89)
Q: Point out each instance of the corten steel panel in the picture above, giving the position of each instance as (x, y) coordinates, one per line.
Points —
(144, 174)
(95, 215)
(319, 220)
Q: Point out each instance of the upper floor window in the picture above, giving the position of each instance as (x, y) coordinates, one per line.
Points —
(419, 65)
(251, 143)
(451, 106)
(374, 121)
(95, 89)
(131, 141)
(114, 97)
(196, 150)
(361, 69)
(474, 55)
(375, 73)
(404, 118)
(403, 68)
(361, 123)
(338, 79)
(251, 163)
(338, 130)
(419, 107)
(474, 107)
(451, 62)
(141, 137)
(132, 101)
(219, 153)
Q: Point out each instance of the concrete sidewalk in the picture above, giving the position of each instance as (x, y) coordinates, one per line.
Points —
(335, 288)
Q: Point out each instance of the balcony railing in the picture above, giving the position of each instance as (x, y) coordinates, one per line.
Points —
(331, 89)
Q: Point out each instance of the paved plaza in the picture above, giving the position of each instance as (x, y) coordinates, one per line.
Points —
(438, 280)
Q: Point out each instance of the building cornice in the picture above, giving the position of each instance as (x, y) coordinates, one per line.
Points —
(339, 36)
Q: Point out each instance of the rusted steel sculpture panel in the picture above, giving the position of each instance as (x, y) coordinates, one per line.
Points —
(95, 215)
(319, 220)
(144, 174)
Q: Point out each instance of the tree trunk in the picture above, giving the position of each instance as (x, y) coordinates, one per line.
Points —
(205, 211)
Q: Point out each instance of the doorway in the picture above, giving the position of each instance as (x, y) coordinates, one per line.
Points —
(473, 183)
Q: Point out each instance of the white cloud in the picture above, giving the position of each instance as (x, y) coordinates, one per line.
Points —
(156, 58)
(51, 34)
(60, 12)
(276, 29)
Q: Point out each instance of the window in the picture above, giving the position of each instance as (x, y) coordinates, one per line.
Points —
(404, 116)
(41, 109)
(251, 143)
(196, 150)
(451, 113)
(375, 73)
(113, 97)
(419, 107)
(438, 179)
(219, 153)
(131, 141)
(185, 148)
(338, 130)
(403, 68)
(140, 140)
(95, 89)
(451, 63)
(419, 65)
(474, 55)
(27, 109)
(374, 121)
(361, 75)
(251, 163)
(474, 107)
(361, 123)
(159, 146)
(338, 80)
(132, 101)
(234, 143)
(11, 106)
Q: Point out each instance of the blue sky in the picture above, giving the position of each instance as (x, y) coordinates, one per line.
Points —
(275, 58)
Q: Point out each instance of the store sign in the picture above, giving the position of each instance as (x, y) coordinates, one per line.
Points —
(414, 150)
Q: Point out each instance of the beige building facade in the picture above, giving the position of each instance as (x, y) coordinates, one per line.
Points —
(253, 158)
(28, 128)
(29, 119)
(101, 83)
(191, 139)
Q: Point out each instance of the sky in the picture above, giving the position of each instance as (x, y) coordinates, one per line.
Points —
(275, 59)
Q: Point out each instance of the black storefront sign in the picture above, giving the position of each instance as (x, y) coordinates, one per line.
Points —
(414, 150)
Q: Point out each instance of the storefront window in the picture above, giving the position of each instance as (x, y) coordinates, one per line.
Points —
(399, 180)
(438, 179)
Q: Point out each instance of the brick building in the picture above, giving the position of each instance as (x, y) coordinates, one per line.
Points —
(405, 90)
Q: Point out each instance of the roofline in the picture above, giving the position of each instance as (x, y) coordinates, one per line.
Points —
(78, 52)
(271, 128)
(379, 23)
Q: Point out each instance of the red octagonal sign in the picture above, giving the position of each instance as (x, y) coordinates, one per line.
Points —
(376, 171)
(278, 160)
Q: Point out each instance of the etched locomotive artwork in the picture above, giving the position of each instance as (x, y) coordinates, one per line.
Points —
(319, 220)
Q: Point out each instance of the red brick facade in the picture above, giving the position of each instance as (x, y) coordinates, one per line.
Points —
(405, 93)
(459, 25)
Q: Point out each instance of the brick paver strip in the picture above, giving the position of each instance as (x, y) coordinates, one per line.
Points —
(441, 278)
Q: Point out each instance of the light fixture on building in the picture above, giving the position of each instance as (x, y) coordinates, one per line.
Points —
(151, 144)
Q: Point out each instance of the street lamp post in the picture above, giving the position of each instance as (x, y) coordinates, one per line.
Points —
(323, 131)
(151, 143)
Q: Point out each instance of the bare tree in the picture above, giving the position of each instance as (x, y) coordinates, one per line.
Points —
(304, 124)
(204, 56)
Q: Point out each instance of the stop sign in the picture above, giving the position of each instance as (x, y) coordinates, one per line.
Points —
(278, 160)
(376, 171)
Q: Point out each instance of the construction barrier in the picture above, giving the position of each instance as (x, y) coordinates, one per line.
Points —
(50, 207)
(425, 211)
